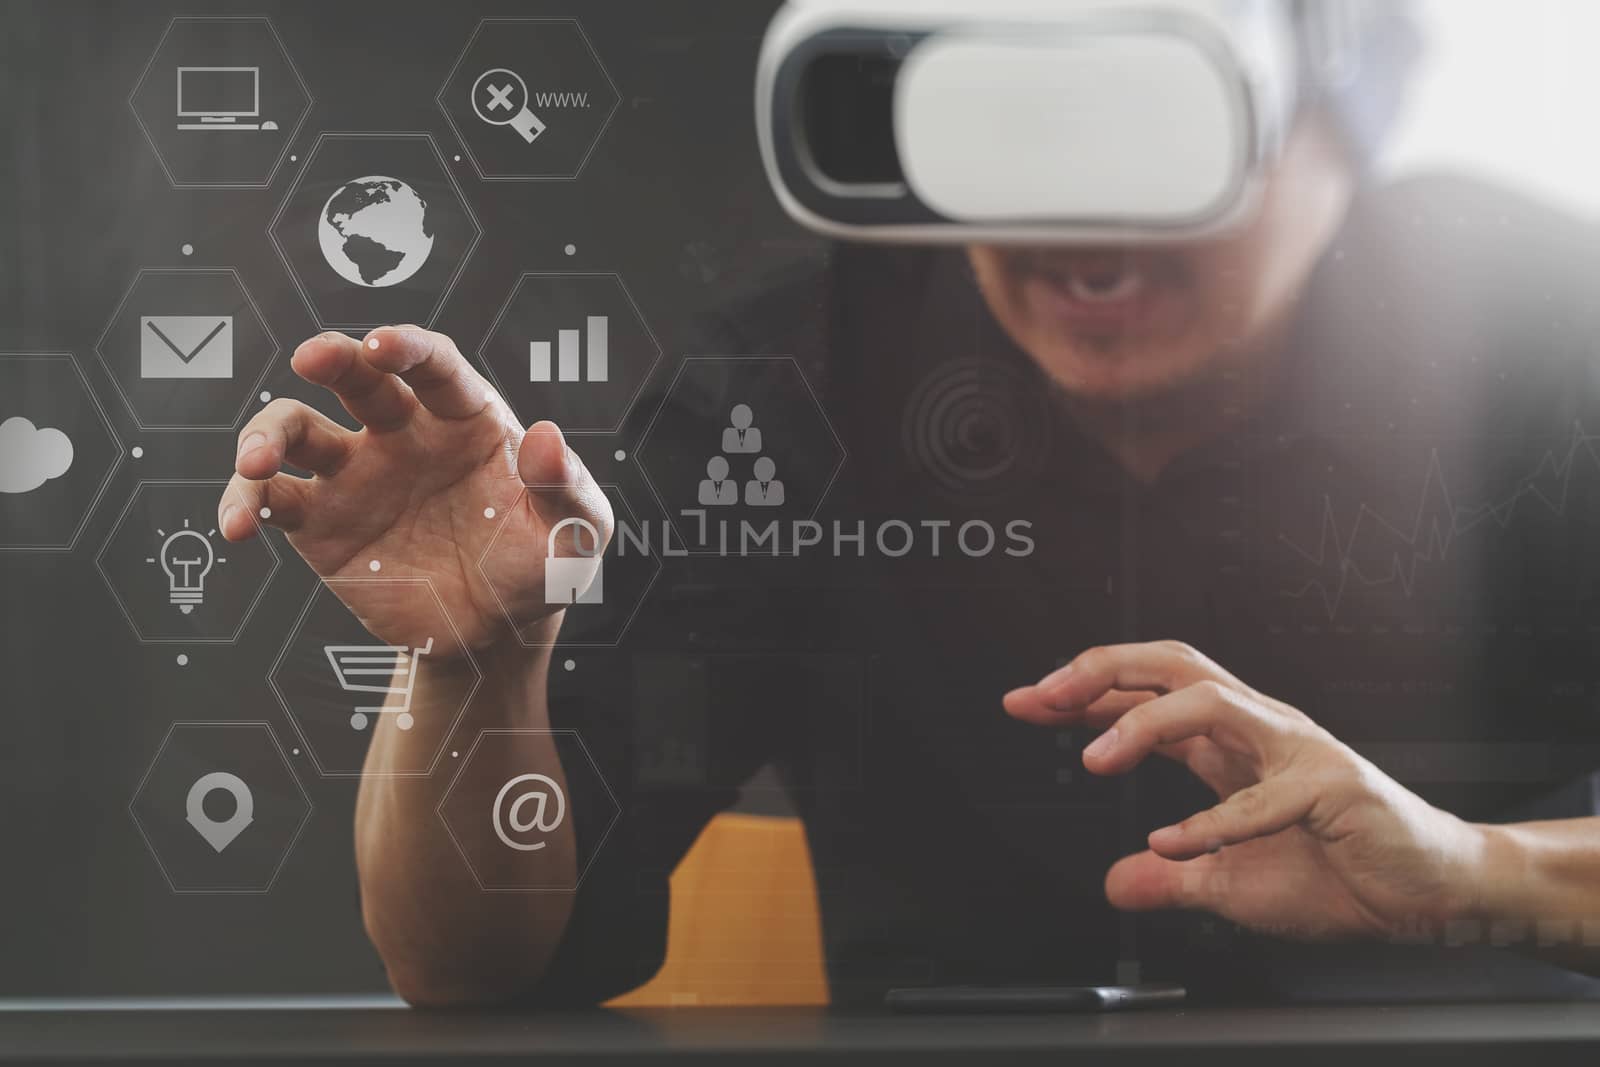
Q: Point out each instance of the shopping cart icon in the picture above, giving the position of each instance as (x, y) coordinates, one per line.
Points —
(386, 669)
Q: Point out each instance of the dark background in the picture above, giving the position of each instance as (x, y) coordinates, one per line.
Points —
(672, 198)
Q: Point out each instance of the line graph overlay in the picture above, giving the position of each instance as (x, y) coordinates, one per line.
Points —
(1437, 524)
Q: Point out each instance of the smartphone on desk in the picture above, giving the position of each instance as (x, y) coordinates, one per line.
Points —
(1024, 1000)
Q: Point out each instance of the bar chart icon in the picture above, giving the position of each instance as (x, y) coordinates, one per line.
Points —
(569, 357)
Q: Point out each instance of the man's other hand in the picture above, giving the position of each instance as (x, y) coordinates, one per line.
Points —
(1309, 839)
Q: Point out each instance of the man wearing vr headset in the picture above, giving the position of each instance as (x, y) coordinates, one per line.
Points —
(1196, 314)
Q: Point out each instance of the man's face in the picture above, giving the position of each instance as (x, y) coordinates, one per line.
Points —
(1117, 324)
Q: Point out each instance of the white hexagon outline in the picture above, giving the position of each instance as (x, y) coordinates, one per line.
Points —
(111, 433)
(155, 853)
(616, 811)
(444, 169)
(627, 295)
(655, 576)
(466, 146)
(641, 449)
(294, 132)
(249, 612)
(294, 635)
(250, 393)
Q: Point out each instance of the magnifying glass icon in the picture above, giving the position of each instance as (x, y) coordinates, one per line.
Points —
(500, 98)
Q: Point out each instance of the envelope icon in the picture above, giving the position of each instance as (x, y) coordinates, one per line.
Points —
(186, 346)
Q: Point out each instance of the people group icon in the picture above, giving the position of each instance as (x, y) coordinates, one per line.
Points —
(764, 490)
(717, 489)
(741, 437)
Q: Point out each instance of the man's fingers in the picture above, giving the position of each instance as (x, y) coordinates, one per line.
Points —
(1148, 882)
(551, 471)
(1159, 666)
(561, 487)
(289, 432)
(1206, 709)
(433, 367)
(377, 399)
(1028, 704)
(1114, 705)
(247, 505)
(1032, 704)
(1257, 811)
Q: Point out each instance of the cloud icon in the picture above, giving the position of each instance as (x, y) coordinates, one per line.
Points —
(29, 456)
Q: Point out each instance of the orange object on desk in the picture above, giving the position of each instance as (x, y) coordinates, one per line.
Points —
(744, 927)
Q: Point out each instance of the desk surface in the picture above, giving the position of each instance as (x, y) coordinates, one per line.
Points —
(1445, 1034)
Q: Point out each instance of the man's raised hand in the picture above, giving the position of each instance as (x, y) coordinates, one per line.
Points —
(437, 453)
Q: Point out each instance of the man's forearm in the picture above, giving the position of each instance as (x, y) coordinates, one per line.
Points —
(442, 938)
(1546, 877)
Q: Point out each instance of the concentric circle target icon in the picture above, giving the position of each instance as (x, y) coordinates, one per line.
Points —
(975, 427)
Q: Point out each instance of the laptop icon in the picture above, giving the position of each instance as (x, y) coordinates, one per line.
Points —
(219, 97)
(185, 346)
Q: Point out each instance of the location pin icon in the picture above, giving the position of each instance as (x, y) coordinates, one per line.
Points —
(219, 835)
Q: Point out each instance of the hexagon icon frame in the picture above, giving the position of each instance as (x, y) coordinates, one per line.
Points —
(255, 601)
(466, 146)
(288, 767)
(644, 324)
(290, 132)
(249, 394)
(611, 824)
(294, 636)
(121, 453)
(444, 169)
(641, 450)
(655, 576)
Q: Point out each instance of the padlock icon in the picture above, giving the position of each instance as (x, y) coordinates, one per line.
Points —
(574, 579)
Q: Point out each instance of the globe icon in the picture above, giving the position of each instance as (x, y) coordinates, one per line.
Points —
(375, 232)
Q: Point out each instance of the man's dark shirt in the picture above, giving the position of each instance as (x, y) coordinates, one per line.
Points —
(1397, 542)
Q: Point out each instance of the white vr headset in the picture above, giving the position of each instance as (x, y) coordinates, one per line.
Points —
(1090, 121)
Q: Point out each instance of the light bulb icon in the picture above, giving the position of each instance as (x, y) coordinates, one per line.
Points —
(187, 557)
